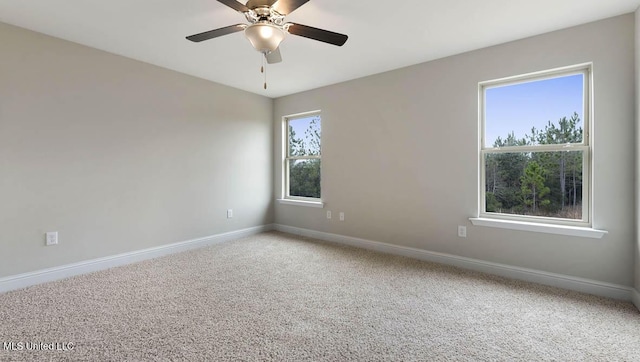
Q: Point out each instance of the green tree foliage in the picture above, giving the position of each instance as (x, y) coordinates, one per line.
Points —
(304, 173)
(304, 178)
(313, 135)
(567, 166)
(533, 187)
(296, 145)
(493, 205)
(537, 183)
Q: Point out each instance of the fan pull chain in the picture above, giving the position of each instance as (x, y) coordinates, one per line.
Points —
(262, 66)
(265, 71)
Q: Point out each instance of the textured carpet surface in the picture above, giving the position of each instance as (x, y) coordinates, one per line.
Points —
(279, 297)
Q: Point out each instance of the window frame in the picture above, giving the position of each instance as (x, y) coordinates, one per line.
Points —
(585, 147)
(288, 158)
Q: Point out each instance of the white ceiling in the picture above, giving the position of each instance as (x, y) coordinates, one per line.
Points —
(383, 35)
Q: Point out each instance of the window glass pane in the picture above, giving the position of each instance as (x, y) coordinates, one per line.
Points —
(548, 111)
(304, 136)
(545, 184)
(304, 178)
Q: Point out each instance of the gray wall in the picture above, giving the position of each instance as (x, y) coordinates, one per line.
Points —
(117, 155)
(400, 154)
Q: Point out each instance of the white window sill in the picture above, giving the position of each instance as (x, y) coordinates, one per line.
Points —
(540, 228)
(318, 204)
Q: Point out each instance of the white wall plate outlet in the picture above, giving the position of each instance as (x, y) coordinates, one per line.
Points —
(462, 231)
(52, 238)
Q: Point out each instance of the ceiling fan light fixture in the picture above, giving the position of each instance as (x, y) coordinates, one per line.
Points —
(264, 37)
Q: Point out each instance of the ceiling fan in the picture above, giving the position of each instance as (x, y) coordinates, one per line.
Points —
(267, 28)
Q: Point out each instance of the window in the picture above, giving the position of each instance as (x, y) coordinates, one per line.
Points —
(303, 157)
(534, 150)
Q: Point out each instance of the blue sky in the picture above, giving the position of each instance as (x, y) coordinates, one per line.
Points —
(300, 125)
(519, 107)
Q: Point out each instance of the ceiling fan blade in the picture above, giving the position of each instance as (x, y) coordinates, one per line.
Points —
(216, 33)
(317, 34)
(285, 7)
(274, 56)
(235, 5)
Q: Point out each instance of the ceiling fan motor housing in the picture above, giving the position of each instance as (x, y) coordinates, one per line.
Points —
(264, 36)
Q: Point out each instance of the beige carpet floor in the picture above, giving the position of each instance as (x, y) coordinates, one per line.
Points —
(279, 297)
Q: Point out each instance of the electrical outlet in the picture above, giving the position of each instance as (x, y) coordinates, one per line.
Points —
(328, 214)
(229, 213)
(342, 216)
(462, 231)
(52, 238)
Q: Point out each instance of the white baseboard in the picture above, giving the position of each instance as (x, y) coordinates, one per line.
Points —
(46, 275)
(635, 298)
(530, 275)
